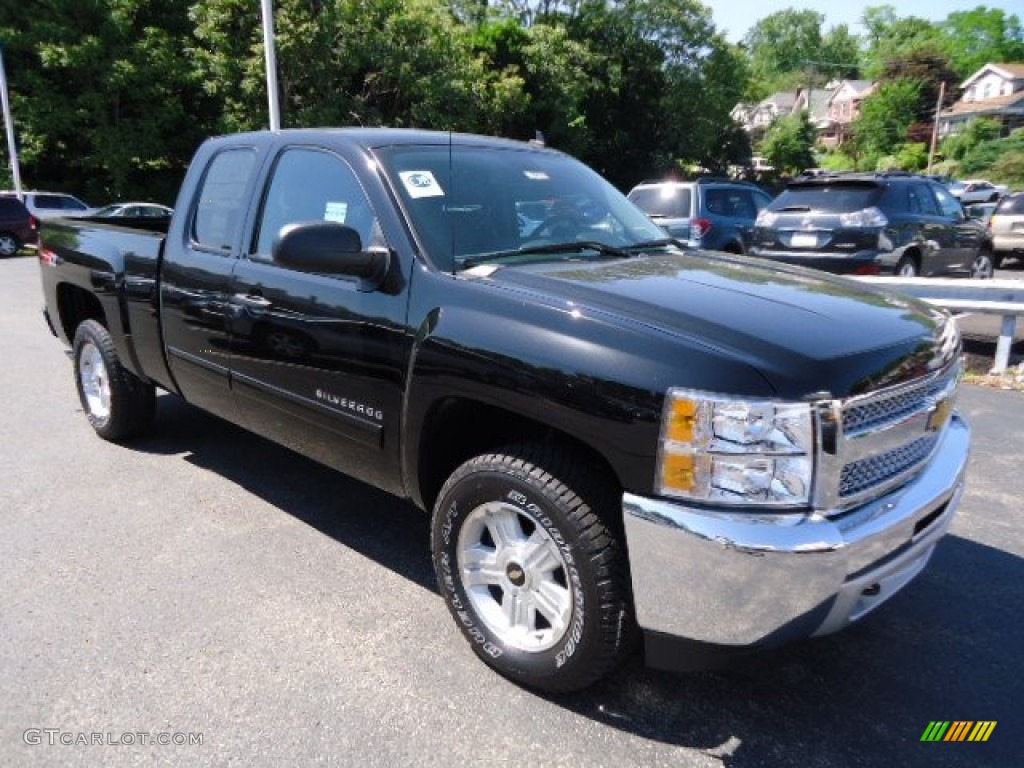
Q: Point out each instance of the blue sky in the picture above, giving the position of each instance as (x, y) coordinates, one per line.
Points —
(735, 17)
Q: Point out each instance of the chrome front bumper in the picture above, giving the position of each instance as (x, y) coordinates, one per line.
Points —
(742, 579)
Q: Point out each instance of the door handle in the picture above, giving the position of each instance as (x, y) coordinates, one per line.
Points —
(251, 301)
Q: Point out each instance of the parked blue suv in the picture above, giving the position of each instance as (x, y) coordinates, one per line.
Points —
(710, 213)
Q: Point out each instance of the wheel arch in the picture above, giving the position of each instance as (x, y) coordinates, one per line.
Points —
(75, 305)
(456, 429)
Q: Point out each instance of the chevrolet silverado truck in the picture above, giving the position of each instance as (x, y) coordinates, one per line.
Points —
(618, 439)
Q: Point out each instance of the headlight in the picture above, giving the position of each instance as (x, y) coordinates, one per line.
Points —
(742, 452)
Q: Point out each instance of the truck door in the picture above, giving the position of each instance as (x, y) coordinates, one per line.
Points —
(196, 276)
(317, 362)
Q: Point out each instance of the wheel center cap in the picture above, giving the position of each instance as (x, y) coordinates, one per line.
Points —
(515, 574)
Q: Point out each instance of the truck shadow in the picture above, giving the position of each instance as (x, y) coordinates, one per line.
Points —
(948, 648)
(389, 530)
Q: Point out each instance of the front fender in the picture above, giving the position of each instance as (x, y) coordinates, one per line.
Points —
(600, 380)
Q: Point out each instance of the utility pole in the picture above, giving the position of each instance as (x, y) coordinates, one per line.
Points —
(271, 57)
(935, 125)
(9, 125)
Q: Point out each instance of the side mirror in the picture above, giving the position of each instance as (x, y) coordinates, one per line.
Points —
(330, 248)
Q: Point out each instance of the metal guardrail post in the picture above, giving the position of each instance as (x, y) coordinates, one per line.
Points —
(1004, 343)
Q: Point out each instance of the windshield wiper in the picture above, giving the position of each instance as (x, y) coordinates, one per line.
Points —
(576, 246)
(665, 241)
(791, 208)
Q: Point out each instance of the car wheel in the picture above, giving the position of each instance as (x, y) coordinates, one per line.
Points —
(531, 569)
(9, 244)
(907, 267)
(119, 404)
(982, 267)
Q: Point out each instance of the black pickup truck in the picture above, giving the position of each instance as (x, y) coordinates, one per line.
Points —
(617, 438)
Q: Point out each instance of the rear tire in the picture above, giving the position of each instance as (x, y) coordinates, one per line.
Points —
(530, 568)
(982, 268)
(118, 404)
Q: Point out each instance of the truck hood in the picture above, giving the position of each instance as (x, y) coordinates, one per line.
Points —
(806, 332)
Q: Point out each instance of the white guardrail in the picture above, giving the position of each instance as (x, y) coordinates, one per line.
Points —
(988, 297)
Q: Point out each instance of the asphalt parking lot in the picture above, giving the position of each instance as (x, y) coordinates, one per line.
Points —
(204, 581)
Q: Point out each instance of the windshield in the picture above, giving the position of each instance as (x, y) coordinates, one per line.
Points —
(468, 202)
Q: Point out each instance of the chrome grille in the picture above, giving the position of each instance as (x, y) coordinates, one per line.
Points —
(882, 438)
(865, 474)
(874, 413)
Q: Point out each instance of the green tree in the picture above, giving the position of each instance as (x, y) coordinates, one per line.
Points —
(840, 54)
(884, 119)
(789, 144)
(890, 37)
(982, 35)
(105, 104)
(784, 42)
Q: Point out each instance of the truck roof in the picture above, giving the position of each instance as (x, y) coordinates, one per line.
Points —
(384, 137)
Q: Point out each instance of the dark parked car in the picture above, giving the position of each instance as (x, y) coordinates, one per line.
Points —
(713, 214)
(18, 227)
(868, 224)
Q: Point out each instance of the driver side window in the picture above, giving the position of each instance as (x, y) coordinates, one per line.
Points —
(314, 185)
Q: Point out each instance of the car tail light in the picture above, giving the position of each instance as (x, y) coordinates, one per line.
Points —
(699, 228)
(867, 269)
(33, 222)
(868, 217)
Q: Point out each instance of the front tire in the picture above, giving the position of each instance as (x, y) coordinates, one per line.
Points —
(118, 404)
(907, 267)
(530, 568)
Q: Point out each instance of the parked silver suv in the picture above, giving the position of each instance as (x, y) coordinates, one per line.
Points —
(711, 213)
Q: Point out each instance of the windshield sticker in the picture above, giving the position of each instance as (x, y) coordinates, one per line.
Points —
(421, 184)
(336, 212)
(536, 175)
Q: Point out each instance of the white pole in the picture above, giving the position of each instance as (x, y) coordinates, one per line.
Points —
(271, 56)
(9, 124)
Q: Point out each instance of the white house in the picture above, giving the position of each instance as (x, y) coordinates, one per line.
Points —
(996, 91)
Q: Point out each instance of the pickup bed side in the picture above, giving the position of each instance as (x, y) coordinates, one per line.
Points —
(109, 273)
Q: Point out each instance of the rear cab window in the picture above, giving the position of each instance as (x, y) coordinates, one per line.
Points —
(222, 199)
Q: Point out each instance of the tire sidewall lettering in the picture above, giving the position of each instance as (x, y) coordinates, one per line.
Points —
(537, 509)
